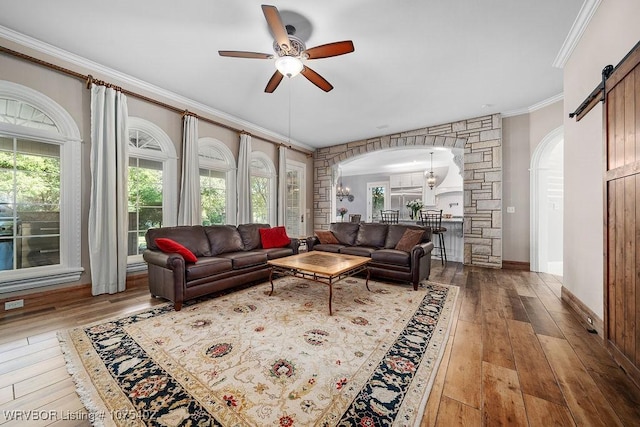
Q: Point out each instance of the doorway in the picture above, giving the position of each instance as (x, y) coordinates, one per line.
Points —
(547, 200)
(295, 203)
(378, 198)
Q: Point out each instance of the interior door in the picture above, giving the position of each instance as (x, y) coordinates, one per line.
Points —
(378, 198)
(622, 213)
(295, 216)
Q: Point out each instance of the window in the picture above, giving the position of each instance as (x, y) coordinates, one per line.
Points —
(217, 182)
(151, 185)
(263, 189)
(295, 202)
(40, 175)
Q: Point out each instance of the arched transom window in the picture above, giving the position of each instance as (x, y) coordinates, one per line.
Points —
(151, 184)
(40, 176)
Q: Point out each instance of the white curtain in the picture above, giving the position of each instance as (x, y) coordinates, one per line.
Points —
(108, 216)
(282, 185)
(244, 180)
(189, 208)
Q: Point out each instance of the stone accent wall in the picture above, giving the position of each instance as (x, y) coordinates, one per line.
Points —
(481, 139)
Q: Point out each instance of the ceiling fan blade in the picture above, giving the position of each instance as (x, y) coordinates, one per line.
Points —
(241, 54)
(274, 20)
(331, 49)
(316, 79)
(274, 81)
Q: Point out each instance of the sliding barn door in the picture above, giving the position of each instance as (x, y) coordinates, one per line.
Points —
(622, 213)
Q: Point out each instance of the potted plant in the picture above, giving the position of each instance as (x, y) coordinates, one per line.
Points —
(342, 211)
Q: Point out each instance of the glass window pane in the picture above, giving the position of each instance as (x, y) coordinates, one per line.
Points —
(260, 199)
(145, 200)
(213, 195)
(29, 203)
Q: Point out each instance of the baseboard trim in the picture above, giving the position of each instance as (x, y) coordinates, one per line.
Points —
(583, 312)
(516, 265)
(48, 300)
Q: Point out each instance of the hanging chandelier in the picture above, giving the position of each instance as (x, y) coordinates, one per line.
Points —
(431, 178)
(342, 192)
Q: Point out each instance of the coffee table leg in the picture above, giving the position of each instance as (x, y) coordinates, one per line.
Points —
(271, 280)
(367, 282)
(330, 297)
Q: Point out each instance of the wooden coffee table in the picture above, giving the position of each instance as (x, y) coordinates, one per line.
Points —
(321, 267)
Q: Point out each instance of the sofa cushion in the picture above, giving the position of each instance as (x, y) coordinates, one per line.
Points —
(409, 239)
(345, 232)
(274, 253)
(328, 247)
(223, 239)
(372, 235)
(250, 234)
(326, 237)
(191, 237)
(171, 246)
(358, 251)
(245, 259)
(395, 233)
(208, 266)
(275, 237)
(392, 256)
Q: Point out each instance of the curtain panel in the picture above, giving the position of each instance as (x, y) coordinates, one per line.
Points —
(108, 213)
(244, 180)
(189, 207)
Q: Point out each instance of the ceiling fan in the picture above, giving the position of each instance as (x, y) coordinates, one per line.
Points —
(291, 53)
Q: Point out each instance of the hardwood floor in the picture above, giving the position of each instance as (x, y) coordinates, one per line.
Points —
(516, 355)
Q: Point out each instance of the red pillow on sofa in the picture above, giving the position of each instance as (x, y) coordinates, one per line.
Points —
(171, 246)
(275, 237)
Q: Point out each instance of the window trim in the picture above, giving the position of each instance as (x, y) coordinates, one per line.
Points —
(169, 160)
(271, 175)
(228, 167)
(68, 137)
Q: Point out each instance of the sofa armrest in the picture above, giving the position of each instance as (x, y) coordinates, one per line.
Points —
(162, 259)
(420, 263)
(311, 241)
(295, 245)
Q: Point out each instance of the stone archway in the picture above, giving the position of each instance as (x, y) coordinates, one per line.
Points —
(481, 139)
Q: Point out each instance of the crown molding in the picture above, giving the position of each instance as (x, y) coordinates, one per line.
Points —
(47, 49)
(535, 107)
(587, 11)
(547, 102)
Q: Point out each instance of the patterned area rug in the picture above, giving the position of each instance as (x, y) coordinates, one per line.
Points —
(245, 358)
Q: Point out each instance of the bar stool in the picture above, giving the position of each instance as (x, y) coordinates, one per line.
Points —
(389, 216)
(432, 218)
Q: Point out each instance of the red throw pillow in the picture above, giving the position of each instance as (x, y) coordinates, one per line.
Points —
(326, 237)
(171, 246)
(275, 237)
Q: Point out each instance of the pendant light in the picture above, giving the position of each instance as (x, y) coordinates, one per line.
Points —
(431, 178)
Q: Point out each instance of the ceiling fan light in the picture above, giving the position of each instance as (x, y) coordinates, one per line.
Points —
(289, 66)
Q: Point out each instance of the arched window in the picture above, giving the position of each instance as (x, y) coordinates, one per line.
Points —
(152, 185)
(40, 176)
(217, 182)
(263, 189)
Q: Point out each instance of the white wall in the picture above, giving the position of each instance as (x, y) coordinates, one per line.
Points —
(610, 35)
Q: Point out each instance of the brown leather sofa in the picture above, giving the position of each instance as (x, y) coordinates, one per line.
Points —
(378, 241)
(228, 256)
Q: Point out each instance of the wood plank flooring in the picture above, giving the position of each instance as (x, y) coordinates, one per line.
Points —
(517, 356)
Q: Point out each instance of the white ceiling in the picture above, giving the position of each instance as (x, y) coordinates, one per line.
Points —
(416, 63)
